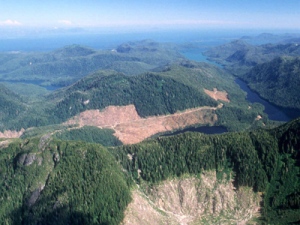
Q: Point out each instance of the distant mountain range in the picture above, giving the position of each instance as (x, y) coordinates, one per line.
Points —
(66, 65)
(239, 56)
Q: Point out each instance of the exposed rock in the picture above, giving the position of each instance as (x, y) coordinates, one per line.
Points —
(56, 157)
(39, 160)
(22, 158)
(35, 195)
(43, 141)
(27, 159)
(30, 158)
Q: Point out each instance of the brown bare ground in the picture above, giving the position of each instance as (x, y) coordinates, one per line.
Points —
(189, 201)
(11, 133)
(5, 143)
(259, 117)
(130, 128)
(217, 95)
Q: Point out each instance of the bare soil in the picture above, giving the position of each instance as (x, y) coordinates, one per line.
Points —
(217, 95)
(189, 201)
(11, 133)
(4, 144)
(130, 128)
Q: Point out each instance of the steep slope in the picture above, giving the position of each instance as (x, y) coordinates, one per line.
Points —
(11, 106)
(179, 86)
(151, 94)
(277, 81)
(205, 199)
(186, 179)
(172, 88)
(130, 128)
(267, 161)
(53, 182)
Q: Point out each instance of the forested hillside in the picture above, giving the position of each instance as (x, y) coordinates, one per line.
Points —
(271, 70)
(57, 182)
(11, 105)
(171, 88)
(267, 161)
(64, 66)
(150, 93)
(239, 56)
(277, 81)
(48, 181)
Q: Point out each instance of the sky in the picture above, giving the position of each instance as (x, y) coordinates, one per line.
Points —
(150, 14)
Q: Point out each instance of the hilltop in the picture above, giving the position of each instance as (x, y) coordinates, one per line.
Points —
(187, 178)
(169, 91)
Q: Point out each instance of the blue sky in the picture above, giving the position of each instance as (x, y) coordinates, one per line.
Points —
(150, 14)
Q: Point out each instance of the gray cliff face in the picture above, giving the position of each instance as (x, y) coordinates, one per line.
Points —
(27, 159)
(30, 158)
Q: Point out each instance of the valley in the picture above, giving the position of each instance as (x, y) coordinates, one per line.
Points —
(92, 151)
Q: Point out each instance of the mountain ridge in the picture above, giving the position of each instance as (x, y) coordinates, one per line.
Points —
(32, 169)
(277, 81)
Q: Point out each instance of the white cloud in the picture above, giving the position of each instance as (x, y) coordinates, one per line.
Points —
(10, 23)
(180, 23)
(65, 22)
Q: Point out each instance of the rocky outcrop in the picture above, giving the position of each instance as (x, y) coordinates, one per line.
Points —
(30, 158)
(27, 159)
(35, 195)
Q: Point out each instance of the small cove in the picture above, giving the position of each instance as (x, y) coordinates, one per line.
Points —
(274, 112)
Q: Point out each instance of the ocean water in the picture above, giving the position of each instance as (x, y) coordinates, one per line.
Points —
(197, 55)
(201, 38)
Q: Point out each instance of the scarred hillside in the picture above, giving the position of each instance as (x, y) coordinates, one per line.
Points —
(234, 178)
(203, 200)
(130, 128)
